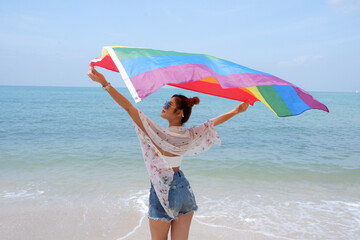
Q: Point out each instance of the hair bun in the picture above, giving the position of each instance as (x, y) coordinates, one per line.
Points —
(196, 100)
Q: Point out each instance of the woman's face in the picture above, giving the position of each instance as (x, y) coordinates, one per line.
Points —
(169, 110)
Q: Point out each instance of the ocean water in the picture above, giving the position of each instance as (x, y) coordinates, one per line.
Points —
(71, 167)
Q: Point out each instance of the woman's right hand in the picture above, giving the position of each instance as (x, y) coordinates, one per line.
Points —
(96, 76)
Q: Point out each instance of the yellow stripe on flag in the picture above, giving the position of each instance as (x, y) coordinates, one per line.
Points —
(258, 95)
(105, 52)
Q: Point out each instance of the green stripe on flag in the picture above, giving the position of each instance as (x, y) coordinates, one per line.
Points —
(275, 101)
(124, 53)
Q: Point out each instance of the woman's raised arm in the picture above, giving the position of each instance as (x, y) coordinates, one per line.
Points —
(226, 116)
(120, 99)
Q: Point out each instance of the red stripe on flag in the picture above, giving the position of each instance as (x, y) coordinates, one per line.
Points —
(106, 62)
(216, 90)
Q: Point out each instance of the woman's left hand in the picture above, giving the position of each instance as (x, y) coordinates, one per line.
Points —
(241, 107)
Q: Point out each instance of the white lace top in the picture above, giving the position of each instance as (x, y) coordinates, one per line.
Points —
(173, 161)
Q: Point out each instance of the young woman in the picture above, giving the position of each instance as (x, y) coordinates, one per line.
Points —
(172, 202)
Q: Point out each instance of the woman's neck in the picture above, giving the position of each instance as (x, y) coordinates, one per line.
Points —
(179, 125)
(175, 124)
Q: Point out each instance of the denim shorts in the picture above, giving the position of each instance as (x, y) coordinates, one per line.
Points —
(181, 199)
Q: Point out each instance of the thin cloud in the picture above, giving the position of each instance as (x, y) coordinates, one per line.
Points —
(345, 5)
(28, 23)
(172, 15)
(299, 60)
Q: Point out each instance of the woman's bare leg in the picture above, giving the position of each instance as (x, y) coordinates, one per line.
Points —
(180, 228)
(159, 229)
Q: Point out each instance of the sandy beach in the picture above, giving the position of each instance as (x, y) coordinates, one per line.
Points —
(72, 221)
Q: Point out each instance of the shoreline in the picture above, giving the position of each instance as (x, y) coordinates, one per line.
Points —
(69, 223)
(110, 217)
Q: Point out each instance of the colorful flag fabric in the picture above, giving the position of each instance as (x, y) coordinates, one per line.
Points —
(146, 70)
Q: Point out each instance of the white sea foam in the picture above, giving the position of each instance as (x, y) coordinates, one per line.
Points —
(30, 191)
(355, 205)
(140, 199)
(197, 219)
(288, 219)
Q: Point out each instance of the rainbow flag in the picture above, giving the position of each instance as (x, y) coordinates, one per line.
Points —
(146, 70)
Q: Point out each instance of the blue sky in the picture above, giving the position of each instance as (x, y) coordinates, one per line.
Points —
(313, 44)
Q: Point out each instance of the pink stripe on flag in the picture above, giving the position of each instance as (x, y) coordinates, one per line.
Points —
(309, 100)
(148, 82)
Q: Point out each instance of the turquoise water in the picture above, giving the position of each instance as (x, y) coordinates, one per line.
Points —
(295, 177)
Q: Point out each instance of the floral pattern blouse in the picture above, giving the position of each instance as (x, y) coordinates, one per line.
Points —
(198, 139)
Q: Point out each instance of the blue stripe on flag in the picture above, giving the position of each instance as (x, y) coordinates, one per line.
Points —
(291, 99)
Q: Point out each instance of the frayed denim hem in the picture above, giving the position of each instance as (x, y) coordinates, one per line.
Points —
(161, 219)
(176, 218)
(194, 210)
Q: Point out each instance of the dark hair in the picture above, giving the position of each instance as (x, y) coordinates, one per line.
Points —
(185, 104)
